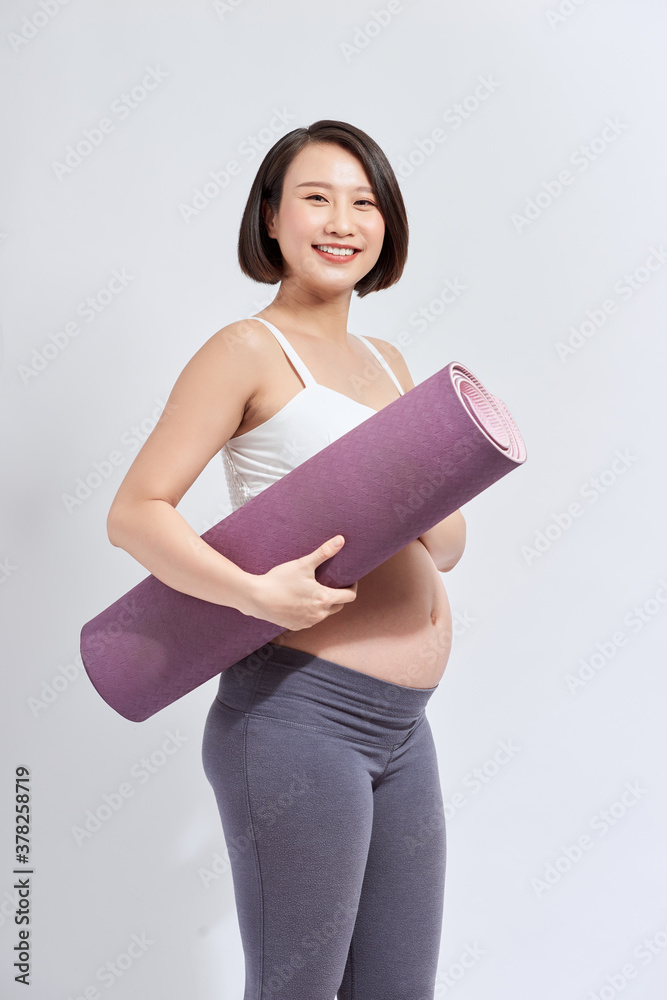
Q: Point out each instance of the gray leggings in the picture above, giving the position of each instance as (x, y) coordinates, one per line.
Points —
(327, 783)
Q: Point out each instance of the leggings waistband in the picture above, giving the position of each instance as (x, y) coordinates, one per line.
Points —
(299, 687)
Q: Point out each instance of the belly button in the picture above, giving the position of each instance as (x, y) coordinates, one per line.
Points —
(434, 618)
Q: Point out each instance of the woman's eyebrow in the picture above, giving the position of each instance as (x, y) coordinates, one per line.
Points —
(325, 185)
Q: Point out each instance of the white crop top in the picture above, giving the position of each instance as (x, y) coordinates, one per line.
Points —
(308, 422)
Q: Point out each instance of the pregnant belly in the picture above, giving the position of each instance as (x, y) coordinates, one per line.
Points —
(399, 627)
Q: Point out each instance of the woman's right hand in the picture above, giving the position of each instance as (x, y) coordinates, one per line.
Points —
(289, 595)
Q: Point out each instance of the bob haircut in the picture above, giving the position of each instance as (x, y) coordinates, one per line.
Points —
(259, 255)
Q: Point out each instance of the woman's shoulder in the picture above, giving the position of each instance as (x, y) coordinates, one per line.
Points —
(388, 349)
(233, 358)
(242, 341)
(393, 357)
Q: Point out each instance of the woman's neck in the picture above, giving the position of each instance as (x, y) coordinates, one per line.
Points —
(304, 311)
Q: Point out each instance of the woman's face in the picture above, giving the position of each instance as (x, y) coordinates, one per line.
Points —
(327, 200)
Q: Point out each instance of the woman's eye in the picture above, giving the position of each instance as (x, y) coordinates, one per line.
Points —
(360, 201)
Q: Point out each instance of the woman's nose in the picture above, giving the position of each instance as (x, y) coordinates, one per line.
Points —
(339, 220)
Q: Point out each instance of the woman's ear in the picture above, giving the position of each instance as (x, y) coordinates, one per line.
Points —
(268, 215)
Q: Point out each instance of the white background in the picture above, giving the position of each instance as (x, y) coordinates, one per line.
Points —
(527, 619)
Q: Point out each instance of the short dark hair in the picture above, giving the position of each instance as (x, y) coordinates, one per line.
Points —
(259, 255)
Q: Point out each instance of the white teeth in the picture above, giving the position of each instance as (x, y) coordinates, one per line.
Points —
(336, 251)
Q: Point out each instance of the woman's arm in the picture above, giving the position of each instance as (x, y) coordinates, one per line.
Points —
(446, 541)
(204, 409)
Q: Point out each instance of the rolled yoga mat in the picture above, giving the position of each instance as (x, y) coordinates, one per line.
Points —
(380, 485)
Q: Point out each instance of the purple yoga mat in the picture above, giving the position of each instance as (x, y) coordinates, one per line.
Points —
(380, 485)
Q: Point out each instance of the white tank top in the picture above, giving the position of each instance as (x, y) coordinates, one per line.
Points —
(308, 422)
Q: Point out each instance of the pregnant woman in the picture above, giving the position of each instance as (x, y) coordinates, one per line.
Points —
(317, 745)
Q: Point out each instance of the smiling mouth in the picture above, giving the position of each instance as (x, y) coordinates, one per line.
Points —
(339, 252)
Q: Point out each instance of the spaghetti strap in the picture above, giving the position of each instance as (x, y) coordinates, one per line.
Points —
(300, 367)
(382, 362)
